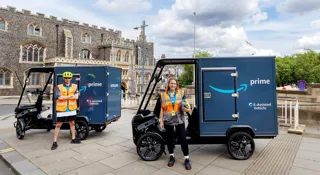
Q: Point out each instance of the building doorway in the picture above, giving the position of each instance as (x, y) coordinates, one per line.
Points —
(123, 90)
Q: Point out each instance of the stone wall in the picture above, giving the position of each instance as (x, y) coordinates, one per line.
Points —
(311, 94)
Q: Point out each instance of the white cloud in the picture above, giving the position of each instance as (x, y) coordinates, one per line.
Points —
(261, 16)
(120, 6)
(268, 3)
(215, 12)
(299, 6)
(310, 42)
(175, 35)
(316, 23)
(298, 24)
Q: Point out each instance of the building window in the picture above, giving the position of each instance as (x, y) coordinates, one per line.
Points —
(3, 24)
(126, 57)
(33, 52)
(85, 54)
(5, 78)
(34, 29)
(34, 79)
(125, 72)
(85, 38)
(118, 58)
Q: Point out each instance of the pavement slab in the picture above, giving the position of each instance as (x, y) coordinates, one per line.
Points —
(95, 168)
(112, 152)
(18, 163)
(277, 157)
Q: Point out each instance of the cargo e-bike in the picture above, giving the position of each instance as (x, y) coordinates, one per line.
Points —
(99, 102)
(235, 103)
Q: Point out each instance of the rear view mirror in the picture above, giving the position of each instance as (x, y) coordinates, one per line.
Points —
(156, 76)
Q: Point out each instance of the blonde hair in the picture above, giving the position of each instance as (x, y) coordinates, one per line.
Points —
(170, 79)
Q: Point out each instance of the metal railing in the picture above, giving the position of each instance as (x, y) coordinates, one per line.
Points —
(294, 105)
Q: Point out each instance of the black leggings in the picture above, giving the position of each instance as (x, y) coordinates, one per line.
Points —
(181, 133)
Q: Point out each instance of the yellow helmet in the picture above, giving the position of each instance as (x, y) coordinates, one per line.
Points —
(67, 75)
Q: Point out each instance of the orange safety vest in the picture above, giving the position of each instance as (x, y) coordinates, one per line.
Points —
(63, 105)
(168, 109)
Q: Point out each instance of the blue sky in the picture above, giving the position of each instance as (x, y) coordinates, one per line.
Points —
(273, 27)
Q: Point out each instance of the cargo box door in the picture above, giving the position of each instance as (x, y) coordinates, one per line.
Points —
(219, 88)
(113, 93)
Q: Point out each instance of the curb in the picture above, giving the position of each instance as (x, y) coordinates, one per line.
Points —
(3, 117)
(18, 163)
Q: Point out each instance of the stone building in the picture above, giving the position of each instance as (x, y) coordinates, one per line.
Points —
(31, 40)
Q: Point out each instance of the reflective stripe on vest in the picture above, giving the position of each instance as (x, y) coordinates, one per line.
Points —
(71, 104)
(167, 105)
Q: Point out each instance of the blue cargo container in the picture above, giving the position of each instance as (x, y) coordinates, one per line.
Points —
(235, 97)
(99, 102)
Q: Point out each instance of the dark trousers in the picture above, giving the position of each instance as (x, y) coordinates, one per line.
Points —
(181, 133)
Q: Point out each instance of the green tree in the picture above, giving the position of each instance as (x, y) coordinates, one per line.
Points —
(186, 77)
(299, 66)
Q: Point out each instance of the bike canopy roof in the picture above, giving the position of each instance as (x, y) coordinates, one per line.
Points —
(169, 61)
(42, 69)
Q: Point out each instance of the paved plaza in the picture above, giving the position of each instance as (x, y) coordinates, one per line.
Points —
(113, 152)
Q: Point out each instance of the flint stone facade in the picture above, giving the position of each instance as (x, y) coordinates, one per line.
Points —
(31, 40)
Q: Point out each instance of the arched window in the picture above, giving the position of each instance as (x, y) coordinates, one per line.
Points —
(85, 38)
(5, 78)
(34, 78)
(126, 57)
(33, 52)
(118, 58)
(34, 29)
(85, 54)
(3, 24)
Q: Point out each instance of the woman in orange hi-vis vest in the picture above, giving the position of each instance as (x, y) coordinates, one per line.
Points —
(172, 115)
(66, 107)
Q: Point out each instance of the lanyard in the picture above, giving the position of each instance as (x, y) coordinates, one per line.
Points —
(172, 99)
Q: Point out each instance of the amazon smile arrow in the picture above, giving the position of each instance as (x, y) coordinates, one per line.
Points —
(243, 87)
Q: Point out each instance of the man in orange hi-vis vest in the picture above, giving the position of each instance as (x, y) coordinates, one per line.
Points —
(66, 107)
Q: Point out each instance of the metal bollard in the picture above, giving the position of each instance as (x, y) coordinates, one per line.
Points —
(282, 115)
(290, 113)
(285, 112)
(296, 115)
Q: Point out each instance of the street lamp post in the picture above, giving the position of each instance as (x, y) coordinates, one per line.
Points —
(194, 46)
(194, 35)
(143, 26)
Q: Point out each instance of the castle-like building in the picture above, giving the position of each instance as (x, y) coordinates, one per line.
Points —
(31, 40)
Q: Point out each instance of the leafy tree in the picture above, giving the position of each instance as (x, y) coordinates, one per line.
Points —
(186, 77)
(299, 66)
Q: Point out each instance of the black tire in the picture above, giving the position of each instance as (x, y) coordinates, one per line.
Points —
(100, 128)
(20, 129)
(241, 143)
(152, 141)
(82, 129)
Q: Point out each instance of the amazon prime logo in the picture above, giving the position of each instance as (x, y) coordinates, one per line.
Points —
(259, 81)
(94, 84)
